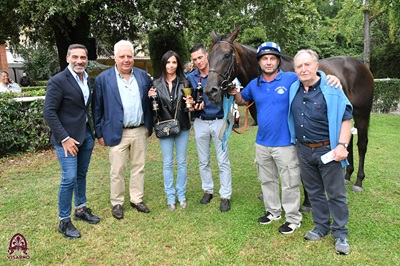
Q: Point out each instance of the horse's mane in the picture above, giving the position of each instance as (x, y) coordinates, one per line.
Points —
(287, 58)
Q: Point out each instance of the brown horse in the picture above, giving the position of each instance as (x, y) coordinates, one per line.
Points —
(229, 59)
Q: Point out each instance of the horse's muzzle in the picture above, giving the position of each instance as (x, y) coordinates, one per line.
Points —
(214, 95)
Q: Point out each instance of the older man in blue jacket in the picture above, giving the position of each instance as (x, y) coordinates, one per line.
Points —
(319, 121)
(123, 120)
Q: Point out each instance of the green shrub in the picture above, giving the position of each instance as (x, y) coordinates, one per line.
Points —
(22, 127)
(386, 95)
(33, 91)
(41, 83)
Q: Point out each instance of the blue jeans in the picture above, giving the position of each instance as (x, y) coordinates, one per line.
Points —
(167, 148)
(73, 180)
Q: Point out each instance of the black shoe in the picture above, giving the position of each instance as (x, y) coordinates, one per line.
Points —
(268, 218)
(140, 207)
(68, 229)
(207, 197)
(225, 205)
(86, 216)
(118, 212)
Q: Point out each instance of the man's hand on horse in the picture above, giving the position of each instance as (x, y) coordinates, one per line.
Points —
(334, 81)
(232, 91)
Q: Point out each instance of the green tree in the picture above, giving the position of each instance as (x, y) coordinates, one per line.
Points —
(40, 62)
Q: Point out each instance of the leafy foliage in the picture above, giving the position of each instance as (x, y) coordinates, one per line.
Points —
(160, 41)
(41, 62)
(332, 27)
(386, 95)
(22, 126)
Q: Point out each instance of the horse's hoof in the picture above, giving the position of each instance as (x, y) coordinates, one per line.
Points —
(305, 209)
(357, 189)
(346, 182)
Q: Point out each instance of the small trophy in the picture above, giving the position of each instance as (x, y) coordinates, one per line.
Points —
(187, 92)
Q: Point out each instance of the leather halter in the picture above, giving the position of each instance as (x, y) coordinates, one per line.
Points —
(225, 84)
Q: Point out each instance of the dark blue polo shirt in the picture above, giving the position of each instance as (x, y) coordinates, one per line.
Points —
(310, 114)
(210, 110)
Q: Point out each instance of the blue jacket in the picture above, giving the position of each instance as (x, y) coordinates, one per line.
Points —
(336, 102)
(64, 108)
(107, 109)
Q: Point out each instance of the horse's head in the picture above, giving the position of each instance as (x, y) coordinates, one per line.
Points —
(222, 60)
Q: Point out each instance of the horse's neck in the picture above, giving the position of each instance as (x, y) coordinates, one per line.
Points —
(248, 67)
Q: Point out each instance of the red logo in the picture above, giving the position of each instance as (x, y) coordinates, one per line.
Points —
(18, 243)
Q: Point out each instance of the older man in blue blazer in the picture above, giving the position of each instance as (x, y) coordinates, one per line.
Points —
(66, 111)
(123, 120)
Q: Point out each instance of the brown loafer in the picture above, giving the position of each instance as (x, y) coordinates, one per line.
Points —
(140, 207)
(118, 212)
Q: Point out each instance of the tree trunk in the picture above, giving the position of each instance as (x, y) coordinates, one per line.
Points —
(67, 33)
(367, 36)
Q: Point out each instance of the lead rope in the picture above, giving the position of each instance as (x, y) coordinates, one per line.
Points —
(227, 104)
(246, 120)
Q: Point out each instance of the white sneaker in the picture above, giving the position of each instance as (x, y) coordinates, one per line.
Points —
(183, 204)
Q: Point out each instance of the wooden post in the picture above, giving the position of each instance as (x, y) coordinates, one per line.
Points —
(3, 58)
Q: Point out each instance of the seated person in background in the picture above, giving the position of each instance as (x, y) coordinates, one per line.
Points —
(7, 84)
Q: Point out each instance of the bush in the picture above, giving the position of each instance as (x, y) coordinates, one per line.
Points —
(41, 83)
(22, 127)
(386, 95)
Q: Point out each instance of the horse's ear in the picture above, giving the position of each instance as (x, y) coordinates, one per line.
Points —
(214, 36)
(231, 37)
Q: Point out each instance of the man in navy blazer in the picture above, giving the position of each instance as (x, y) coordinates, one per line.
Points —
(66, 111)
(123, 120)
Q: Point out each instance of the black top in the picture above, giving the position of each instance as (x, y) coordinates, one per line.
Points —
(167, 102)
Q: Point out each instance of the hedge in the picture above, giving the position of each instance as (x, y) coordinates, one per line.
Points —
(386, 95)
(22, 127)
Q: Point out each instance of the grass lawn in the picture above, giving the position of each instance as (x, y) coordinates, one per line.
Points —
(198, 235)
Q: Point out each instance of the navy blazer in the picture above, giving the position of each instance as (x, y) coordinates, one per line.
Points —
(64, 108)
(107, 109)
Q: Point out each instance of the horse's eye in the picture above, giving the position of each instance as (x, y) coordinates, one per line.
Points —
(226, 56)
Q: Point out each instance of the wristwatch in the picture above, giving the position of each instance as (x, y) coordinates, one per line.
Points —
(344, 144)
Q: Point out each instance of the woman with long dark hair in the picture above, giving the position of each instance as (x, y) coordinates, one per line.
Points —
(171, 103)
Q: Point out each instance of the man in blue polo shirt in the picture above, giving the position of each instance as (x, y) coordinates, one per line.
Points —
(275, 154)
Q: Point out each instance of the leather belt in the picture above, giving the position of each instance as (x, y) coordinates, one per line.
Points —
(131, 127)
(317, 144)
(210, 118)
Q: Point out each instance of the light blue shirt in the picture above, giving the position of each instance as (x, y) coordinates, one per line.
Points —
(131, 100)
(83, 85)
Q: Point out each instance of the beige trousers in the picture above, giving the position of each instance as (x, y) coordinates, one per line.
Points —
(133, 146)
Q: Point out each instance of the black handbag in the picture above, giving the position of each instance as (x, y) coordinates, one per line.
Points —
(169, 127)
